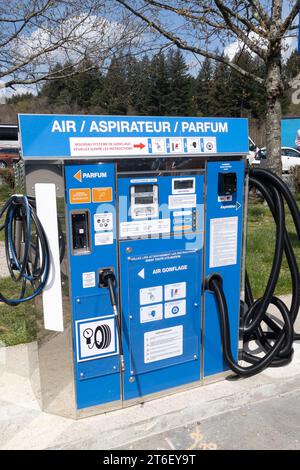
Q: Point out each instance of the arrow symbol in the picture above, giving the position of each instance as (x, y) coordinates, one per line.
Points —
(139, 146)
(237, 206)
(78, 176)
(142, 273)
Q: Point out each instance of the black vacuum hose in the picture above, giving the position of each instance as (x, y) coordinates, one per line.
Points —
(26, 247)
(277, 342)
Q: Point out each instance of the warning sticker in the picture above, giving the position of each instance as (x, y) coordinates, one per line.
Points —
(102, 194)
(96, 337)
(103, 221)
(223, 241)
(144, 227)
(88, 279)
(182, 201)
(106, 238)
(163, 344)
(80, 196)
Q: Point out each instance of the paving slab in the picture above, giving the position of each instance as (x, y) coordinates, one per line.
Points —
(257, 412)
(269, 424)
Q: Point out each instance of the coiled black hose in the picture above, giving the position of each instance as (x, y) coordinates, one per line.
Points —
(277, 342)
(26, 247)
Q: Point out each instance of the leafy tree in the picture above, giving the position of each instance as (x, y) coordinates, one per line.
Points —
(113, 94)
(222, 91)
(258, 25)
(204, 98)
(159, 86)
(179, 98)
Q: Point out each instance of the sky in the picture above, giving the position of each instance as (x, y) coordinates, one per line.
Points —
(193, 61)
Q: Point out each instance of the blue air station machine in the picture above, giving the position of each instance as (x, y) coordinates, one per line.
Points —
(132, 231)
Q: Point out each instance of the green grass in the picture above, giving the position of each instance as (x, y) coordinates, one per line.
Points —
(5, 193)
(15, 326)
(260, 248)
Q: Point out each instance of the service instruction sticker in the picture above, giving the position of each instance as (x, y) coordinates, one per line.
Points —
(223, 241)
(88, 280)
(163, 344)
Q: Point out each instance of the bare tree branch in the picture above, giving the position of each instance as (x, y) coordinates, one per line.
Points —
(290, 18)
(36, 34)
(261, 12)
(226, 12)
(181, 44)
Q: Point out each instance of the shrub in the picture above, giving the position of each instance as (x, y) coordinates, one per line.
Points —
(8, 177)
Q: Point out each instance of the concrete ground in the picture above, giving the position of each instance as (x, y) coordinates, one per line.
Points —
(261, 412)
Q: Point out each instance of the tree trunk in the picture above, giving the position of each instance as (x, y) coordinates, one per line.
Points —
(274, 90)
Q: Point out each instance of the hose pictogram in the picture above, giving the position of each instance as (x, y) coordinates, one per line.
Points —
(104, 340)
(101, 337)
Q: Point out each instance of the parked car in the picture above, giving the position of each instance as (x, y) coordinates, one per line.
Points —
(289, 157)
(253, 149)
(9, 156)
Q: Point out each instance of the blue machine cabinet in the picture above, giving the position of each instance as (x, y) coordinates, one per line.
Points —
(158, 205)
(170, 329)
(161, 287)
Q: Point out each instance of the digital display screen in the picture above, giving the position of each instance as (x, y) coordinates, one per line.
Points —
(144, 200)
(183, 184)
(143, 188)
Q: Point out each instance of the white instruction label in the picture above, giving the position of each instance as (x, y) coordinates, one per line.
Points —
(106, 238)
(223, 241)
(144, 227)
(88, 280)
(175, 291)
(103, 221)
(175, 309)
(182, 201)
(163, 344)
(151, 295)
(151, 313)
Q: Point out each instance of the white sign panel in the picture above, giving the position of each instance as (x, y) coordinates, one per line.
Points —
(106, 238)
(103, 221)
(182, 201)
(151, 313)
(158, 145)
(176, 145)
(145, 227)
(88, 280)
(210, 144)
(45, 194)
(151, 295)
(95, 146)
(163, 344)
(223, 241)
(193, 144)
(175, 291)
(175, 309)
(96, 337)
